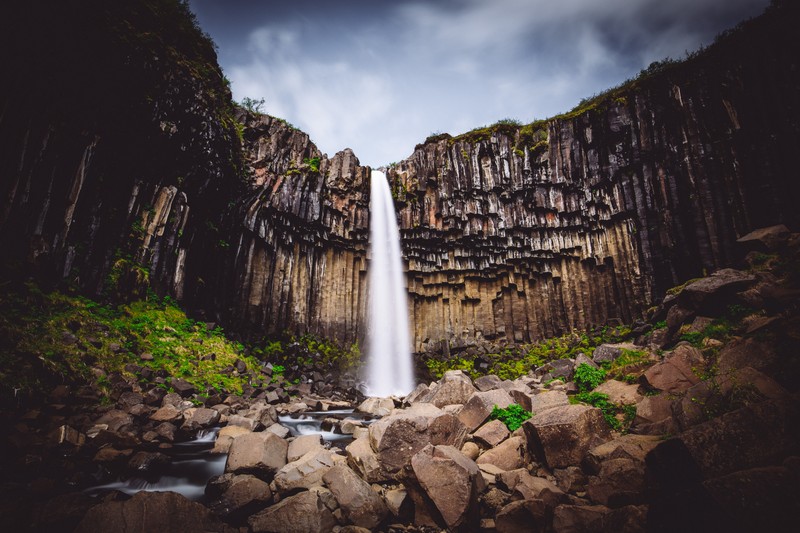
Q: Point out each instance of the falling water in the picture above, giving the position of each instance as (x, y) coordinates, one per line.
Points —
(389, 365)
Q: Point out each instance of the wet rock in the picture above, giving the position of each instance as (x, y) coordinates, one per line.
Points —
(360, 504)
(260, 454)
(397, 437)
(149, 465)
(67, 435)
(562, 436)
(451, 481)
(492, 433)
(509, 455)
(301, 513)
(480, 405)
(151, 511)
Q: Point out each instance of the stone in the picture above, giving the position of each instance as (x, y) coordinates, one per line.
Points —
(579, 518)
(508, 455)
(487, 383)
(168, 413)
(149, 465)
(364, 460)
(712, 294)
(545, 400)
(303, 444)
(376, 406)
(606, 353)
(559, 368)
(67, 435)
(260, 454)
(491, 434)
(676, 372)
(129, 399)
(417, 394)
(654, 416)
(199, 418)
(297, 407)
(151, 511)
(395, 500)
(116, 420)
(480, 405)
(562, 436)
(182, 387)
(451, 481)
(570, 479)
(306, 471)
(360, 505)
(301, 513)
(471, 450)
(455, 387)
(746, 352)
(279, 430)
(527, 487)
(619, 482)
(225, 438)
(397, 437)
(633, 447)
(250, 424)
(620, 392)
(523, 515)
(764, 239)
(748, 377)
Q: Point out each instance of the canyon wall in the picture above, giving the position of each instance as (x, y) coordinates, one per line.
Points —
(125, 168)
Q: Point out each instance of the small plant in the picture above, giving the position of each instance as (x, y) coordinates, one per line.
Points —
(587, 377)
(512, 416)
(252, 105)
(278, 370)
(609, 410)
(313, 163)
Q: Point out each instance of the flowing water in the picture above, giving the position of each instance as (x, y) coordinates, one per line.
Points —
(389, 365)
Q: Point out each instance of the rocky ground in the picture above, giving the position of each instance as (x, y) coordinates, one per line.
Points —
(692, 425)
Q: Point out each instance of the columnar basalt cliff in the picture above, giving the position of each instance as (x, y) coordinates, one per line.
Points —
(517, 233)
(122, 170)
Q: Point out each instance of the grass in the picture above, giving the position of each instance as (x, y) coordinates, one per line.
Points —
(51, 337)
(611, 412)
(512, 416)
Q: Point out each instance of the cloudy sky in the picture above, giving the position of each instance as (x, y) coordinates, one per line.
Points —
(379, 76)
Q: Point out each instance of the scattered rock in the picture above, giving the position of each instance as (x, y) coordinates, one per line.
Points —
(225, 438)
(508, 455)
(471, 450)
(359, 503)
(376, 406)
(562, 436)
(524, 515)
(480, 405)
(303, 444)
(306, 471)
(619, 392)
(676, 372)
(301, 513)
(364, 460)
(492, 433)
(199, 418)
(455, 387)
(260, 454)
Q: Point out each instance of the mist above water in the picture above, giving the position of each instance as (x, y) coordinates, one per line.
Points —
(389, 364)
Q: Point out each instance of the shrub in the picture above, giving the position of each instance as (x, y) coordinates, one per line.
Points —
(587, 377)
(278, 370)
(512, 416)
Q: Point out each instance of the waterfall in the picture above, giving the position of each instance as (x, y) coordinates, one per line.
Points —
(389, 365)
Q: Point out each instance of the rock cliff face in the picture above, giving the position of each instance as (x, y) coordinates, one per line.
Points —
(121, 170)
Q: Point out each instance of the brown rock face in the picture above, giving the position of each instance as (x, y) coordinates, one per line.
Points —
(260, 454)
(361, 505)
(451, 480)
(562, 436)
(296, 514)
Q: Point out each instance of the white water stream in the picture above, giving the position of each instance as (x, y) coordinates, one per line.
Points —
(389, 366)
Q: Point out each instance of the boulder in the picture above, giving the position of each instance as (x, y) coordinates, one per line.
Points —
(303, 444)
(676, 372)
(491, 434)
(396, 501)
(654, 416)
(487, 383)
(243, 496)
(364, 460)
(471, 450)
(260, 454)
(360, 505)
(527, 487)
(559, 368)
(508, 455)
(376, 406)
(199, 418)
(116, 420)
(561, 436)
(633, 447)
(225, 438)
(279, 430)
(148, 465)
(250, 424)
(620, 392)
(397, 437)
(764, 239)
(545, 400)
(450, 480)
(606, 353)
(712, 294)
(151, 511)
(306, 471)
(300, 513)
(418, 394)
(182, 387)
(569, 518)
(523, 515)
(455, 387)
(619, 482)
(746, 352)
(168, 413)
(480, 405)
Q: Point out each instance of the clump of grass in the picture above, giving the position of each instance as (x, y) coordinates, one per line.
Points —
(609, 410)
(512, 416)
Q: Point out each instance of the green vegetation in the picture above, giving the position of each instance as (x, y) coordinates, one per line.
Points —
(516, 361)
(51, 338)
(252, 105)
(588, 377)
(313, 164)
(719, 329)
(278, 370)
(306, 350)
(623, 366)
(674, 291)
(512, 416)
(611, 412)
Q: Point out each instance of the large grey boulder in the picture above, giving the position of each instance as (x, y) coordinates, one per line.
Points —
(363, 459)
(199, 418)
(491, 434)
(527, 487)
(301, 513)
(225, 438)
(397, 437)
(455, 387)
(243, 496)
(376, 406)
(360, 505)
(151, 511)
(480, 405)
(509, 455)
(561, 436)
(261, 454)
(450, 480)
(712, 294)
(303, 444)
